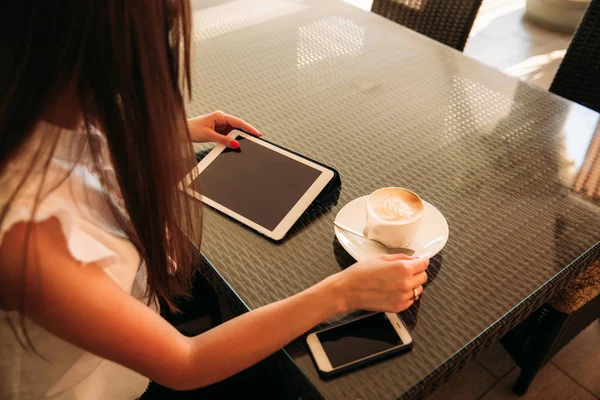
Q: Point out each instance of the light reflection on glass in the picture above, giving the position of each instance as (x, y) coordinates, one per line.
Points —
(239, 14)
(579, 129)
(469, 109)
(588, 180)
(327, 39)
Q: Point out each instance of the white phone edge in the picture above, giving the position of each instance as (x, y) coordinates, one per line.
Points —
(295, 212)
(321, 358)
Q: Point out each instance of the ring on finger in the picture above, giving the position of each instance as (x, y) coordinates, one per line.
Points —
(415, 294)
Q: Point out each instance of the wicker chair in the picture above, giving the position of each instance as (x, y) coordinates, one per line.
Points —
(537, 339)
(447, 21)
(577, 76)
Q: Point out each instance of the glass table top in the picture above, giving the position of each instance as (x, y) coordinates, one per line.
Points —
(510, 166)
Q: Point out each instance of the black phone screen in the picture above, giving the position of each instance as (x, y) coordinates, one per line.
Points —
(256, 182)
(359, 339)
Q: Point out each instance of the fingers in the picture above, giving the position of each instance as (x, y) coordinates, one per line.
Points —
(396, 257)
(409, 296)
(417, 265)
(412, 263)
(410, 289)
(419, 279)
(235, 123)
(227, 130)
(403, 302)
(390, 282)
(419, 291)
(216, 137)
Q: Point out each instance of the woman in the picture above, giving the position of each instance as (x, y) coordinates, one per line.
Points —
(93, 140)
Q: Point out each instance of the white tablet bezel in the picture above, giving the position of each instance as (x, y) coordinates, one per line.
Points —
(295, 212)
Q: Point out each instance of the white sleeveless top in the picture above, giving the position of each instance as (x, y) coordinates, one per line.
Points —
(92, 235)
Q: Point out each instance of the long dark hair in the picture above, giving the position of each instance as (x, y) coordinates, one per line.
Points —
(128, 62)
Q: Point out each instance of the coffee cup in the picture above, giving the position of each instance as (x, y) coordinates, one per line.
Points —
(393, 216)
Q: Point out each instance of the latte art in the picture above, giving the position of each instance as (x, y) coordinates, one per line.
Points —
(392, 208)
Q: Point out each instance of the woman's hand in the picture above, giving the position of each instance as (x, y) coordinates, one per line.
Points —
(383, 283)
(127, 332)
(215, 127)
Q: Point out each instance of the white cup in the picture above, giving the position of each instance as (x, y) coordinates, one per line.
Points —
(393, 216)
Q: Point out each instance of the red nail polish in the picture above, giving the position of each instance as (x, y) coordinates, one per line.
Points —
(234, 144)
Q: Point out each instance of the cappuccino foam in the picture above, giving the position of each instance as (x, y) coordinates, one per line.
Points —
(392, 208)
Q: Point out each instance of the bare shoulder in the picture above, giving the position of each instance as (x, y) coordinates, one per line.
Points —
(26, 251)
(60, 294)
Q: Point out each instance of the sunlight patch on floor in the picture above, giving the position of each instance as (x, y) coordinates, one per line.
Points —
(486, 15)
(535, 63)
(364, 4)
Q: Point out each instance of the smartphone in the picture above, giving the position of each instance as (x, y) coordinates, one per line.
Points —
(358, 342)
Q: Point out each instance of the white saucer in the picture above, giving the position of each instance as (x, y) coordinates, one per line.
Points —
(430, 239)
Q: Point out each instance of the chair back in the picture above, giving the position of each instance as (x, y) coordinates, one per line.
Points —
(447, 21)
(578, 76)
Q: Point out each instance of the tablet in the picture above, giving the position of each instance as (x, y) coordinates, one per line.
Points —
(261, 185)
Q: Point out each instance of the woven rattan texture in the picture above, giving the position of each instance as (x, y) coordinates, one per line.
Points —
(388, 107)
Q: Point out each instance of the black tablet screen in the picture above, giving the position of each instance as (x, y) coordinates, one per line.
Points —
(256, 182)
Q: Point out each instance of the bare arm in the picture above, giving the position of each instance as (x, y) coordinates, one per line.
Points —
(85, 307)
